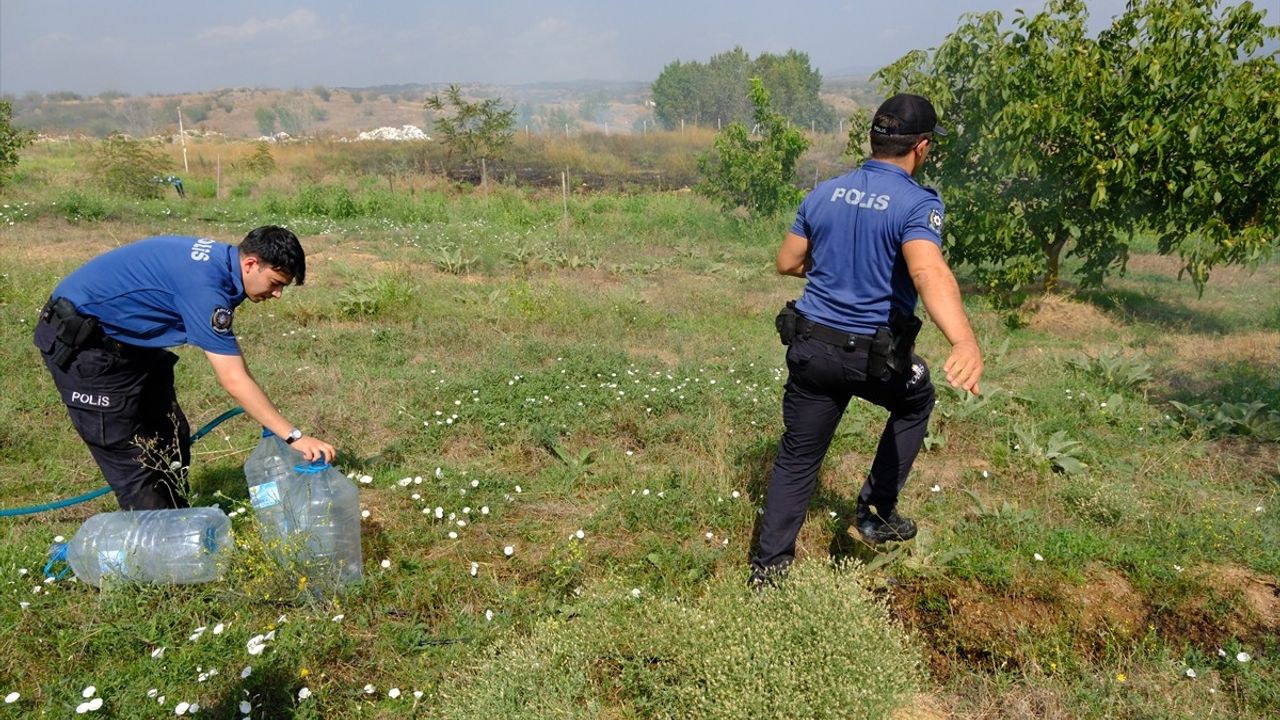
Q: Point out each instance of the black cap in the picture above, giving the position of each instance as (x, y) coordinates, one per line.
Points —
(913, 115)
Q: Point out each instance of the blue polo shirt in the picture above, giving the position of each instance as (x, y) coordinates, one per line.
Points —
(856, 225)
(162, 292)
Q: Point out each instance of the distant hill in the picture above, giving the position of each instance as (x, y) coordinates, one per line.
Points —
(344, 112)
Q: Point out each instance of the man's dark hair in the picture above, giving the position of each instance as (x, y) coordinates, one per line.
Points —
(278, 248)
(892, 146)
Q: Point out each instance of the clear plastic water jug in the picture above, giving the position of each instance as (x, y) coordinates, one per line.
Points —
(322, 508)
(183, 546)
(268, 468)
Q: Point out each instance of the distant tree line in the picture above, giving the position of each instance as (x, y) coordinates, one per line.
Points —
(717, 92)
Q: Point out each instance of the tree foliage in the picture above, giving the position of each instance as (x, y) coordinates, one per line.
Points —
(12, 139)
(717, 90)
(1167, 122)
(474, 130)
(128, 167)
(755, 172)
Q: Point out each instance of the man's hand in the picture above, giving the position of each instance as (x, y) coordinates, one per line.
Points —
(314, 448)
(964, 367)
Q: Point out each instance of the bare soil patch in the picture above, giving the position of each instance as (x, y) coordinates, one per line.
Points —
(978, 627)
(1258, 609)
(1107, 602)
(1227, 602)
(1063, 317)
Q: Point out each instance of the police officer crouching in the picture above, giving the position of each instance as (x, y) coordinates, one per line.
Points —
(104, 333)
(868, 244)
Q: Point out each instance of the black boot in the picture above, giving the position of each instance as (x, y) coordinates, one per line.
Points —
(875, 528)
(766, 577)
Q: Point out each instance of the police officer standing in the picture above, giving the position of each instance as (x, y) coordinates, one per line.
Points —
(104, 333)
(868, 244)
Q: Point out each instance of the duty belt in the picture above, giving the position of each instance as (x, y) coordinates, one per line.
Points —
(92, 336)
(832, 336)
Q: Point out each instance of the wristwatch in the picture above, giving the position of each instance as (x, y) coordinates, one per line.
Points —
(294, 434)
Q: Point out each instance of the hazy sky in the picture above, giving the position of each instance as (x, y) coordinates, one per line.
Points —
(88, 46)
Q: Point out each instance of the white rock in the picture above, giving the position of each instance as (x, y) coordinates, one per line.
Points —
(406, 132)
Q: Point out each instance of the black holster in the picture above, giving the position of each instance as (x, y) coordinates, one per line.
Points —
(785, 322)
(73, 331)
(903, 329)
(879, 356)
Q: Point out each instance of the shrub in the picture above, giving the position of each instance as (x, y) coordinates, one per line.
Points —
(261, 162)
(127, 167)
(75, 206)
(755, 174)
(332, 201)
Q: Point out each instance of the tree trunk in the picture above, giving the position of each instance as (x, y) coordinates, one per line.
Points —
(1053, 250)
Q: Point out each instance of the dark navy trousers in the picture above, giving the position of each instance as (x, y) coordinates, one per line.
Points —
(822, 380)
(122, 402)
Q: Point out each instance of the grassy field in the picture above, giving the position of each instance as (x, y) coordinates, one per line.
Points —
(600, 391)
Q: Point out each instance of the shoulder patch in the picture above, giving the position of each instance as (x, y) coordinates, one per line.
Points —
(935, 220)
(221, 320)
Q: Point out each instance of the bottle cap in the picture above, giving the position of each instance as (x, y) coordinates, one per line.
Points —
(315, 466)
(57, 554)
(267, 433)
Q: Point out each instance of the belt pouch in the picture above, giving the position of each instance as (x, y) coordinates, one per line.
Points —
(785, 322)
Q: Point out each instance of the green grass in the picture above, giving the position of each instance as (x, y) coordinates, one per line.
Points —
(618, 374)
